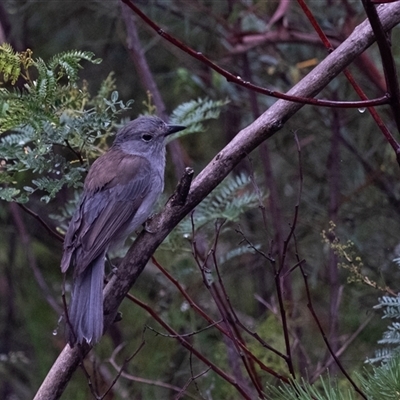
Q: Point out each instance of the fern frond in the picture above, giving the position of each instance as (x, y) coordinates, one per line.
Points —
(193, 113)
(12, 194)
(382, 382)
(18, 137)
(391, 337)
(397, 261)
(10, 63)
(229, 200)
(388, 301)
(237, 252)
(381, 356)
(390, 306)
(46, 83)
(323, 389)
(233, 197)
(68, 63)
(48, 120)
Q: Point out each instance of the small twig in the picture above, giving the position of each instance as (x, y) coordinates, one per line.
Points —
(296, 208)
(130, 377)
(45, 225)
(307, 12)
(190, 347)
(192, 379)
(203, 258)
(30, 257)
(297, 265)
(342, 349)
(218, 326)
(123, 366)
(226, 309)
(182, 189)
(89, 379)
(191, 302)
(192, 373)
(252, 246)
(184, 334)
(324, 337)
(232, 320)
(280, 273)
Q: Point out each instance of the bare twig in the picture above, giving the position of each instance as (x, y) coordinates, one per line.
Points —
(193, 378)
(183, 187)
(232, 320)
(43, 223)
(224, 305)
(190, 347)
(123, 366)
(77, 154)
(134, 378)
(252, 246)
(324, 337)
(203, 258)
(333, 172)
(342, 349)
(184, 334)
(32, 262)
(281, 270)
(204, 315)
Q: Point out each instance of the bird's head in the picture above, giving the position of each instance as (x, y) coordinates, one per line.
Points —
(144, 135)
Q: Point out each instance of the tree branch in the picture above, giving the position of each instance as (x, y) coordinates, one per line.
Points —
(239, 81)
(242, 144)
(389, 66)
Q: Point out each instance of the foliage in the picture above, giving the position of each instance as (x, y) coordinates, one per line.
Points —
(52, 116)
(193, 113)
(382, 382)
(323, 389)
(52, 147)
(348, 175)
(391, 337)
(49, 119)
(379, 383)
(349, 259)
(230, 200)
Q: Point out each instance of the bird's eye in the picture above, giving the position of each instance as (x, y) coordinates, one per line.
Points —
(146, 137)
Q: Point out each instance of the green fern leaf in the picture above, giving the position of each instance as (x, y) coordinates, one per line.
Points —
(10, 63)
(193, 113)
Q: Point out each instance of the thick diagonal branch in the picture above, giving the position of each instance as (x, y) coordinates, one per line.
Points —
(243, 143)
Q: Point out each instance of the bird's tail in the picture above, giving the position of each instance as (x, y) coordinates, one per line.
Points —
(85, 312)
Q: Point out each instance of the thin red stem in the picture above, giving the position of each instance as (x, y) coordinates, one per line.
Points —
(248, 85)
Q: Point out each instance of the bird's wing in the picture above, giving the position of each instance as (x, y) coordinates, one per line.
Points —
(114, 190)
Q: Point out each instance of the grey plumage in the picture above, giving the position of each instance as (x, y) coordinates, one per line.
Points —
(119, 194)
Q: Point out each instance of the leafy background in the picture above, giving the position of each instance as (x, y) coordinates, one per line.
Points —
(348, 175)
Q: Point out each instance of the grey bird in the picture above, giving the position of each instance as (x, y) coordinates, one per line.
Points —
(119, 194)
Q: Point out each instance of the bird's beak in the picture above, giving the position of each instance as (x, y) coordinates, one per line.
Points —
(174, 128)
